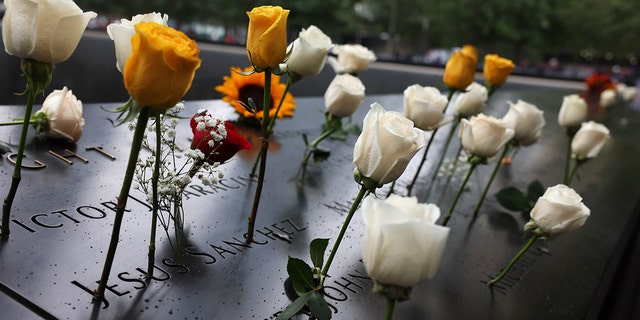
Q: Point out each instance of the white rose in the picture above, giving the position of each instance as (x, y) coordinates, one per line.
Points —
(608, 98)
(344, 95)
(43, 30)
(559, 210)
(589, 140)
(424, 106)
(573, 111)
(309, 52)
(484, 135)
(351, 58)
(626, 92)
(386, 145)
(472, 101)
(526, 120)
(122, 32)
(63, 112)
(402, 245)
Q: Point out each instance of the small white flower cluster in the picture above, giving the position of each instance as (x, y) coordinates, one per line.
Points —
(215, 126)
(178, 166)
(454, 168)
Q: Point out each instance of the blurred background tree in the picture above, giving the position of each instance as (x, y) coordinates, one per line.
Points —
(529, 32)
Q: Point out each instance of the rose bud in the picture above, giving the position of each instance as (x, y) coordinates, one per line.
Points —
(424, 106)
(386, 145)
(484, 135)
(471, 101)
(526, 120)
(573, 111)
(60, 116)
(589, 140)
(559, 210)
(344, 95)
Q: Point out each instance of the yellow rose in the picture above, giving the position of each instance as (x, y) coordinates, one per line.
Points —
(460, 70)
(470, 50)
(267, 36)
(496, 69)
(161, 66)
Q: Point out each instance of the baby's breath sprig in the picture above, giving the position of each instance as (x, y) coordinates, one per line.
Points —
(177, 168)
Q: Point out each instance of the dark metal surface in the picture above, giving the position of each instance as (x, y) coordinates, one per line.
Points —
(63, 215)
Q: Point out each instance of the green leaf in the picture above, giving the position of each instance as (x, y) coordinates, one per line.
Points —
(295, 306)
(299, 288)
(513, 199)
(320, 154)
(300, 272)
(339, 134)
(317, 249)
(319, 307)
(352, 128)
(127, 112)
(535, 191)
(305, 139)
(250, 106)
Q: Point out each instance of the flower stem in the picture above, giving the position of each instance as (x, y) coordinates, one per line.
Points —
(455, 201)
(526, 247)
(272, 122)
(345, 225)
(454, 125)
(275, 115)
(569, 177)
(14, 122)
(15, 181)
(263, 154)
(390, 305)
(424, 159)
(154, 192)
(493, 175)
(570, 134)
(326, 132)
(138, 136)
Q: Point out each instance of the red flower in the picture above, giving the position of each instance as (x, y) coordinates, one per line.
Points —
(211, 139)
(598, 82)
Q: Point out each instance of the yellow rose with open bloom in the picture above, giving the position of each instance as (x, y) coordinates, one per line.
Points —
(496, 69)
(161, 66)
(460, 70)
(267, 36)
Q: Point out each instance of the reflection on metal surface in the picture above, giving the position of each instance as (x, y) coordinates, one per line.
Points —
(64, 215)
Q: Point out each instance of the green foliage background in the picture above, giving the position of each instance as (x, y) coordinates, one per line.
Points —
(518, 29)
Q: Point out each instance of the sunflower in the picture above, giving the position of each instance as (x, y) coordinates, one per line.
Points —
(238, 88)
